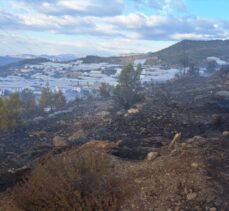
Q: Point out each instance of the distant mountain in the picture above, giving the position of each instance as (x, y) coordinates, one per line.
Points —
(5, 60)
(193, 51)
(9, 68)
(11, 59)
(111, 60)
(25, 56)
(60, 58)
(32, 61)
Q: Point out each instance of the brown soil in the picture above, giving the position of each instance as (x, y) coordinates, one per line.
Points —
(192, 176)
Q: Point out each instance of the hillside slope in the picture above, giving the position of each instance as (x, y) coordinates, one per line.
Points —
(7, 69)
(194, 51)
(5, 60)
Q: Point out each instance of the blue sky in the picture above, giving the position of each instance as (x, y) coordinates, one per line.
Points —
(107, 27)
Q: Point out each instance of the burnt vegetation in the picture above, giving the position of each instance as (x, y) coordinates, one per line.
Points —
(115, 152)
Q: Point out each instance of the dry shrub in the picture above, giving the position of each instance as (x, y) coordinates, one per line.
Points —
(85, 180)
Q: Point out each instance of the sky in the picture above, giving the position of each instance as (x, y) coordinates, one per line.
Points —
(107, 27)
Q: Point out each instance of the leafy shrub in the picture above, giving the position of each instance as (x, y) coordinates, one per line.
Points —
(193, 70)
(10, 110)
(28, 102)
(85, 180)
(126, 93)
(52, 99)
(105, 90)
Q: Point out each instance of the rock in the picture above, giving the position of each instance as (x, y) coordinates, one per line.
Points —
(59, 142)
(77, 135)
(133, 111)
(38, 119)
(226, 134)
(152, 156)
(103, 114)
(212, 209)
(39, 134)
(195, 165)
(62, 122)
(196, 140)
(191, 196)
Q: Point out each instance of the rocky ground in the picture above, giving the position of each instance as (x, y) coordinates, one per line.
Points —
(192, 175)
(182, 175)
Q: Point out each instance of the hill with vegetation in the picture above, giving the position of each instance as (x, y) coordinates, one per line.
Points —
(5, 60)
(193, 51)
(6, 69)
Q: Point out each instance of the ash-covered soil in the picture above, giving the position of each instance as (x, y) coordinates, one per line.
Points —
(192, 175)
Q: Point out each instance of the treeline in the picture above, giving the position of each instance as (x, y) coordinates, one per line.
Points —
(25, 104)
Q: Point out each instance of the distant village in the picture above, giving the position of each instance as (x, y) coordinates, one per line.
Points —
(76, 79)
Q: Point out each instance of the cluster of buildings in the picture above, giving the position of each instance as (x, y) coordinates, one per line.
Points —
(75, 79)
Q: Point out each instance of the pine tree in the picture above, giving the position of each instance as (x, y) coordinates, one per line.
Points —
(10, 110)
(28, 100)
(59, 100)
(46, 98)
(126, 92)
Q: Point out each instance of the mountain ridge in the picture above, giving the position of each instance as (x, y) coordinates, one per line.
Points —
(194, 51)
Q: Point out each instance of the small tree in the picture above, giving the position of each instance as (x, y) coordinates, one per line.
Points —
(58, 99)
(14, 103)
(52, 99)
(193, 70)
(10, 110)
(105, 90)
(127, 91)
(28, 100)
(184, 62)
(46, 98)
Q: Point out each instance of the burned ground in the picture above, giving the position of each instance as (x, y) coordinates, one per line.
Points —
(178, 179)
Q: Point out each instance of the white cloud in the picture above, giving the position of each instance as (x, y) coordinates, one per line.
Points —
(190, 36)
(163, 6)
(74, 7)
(106, 22)
(131, 26)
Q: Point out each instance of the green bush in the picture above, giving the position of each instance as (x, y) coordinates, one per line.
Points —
(105, 90)
(54, 100)
(28, 100)
(126, 93)
(10, 110)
